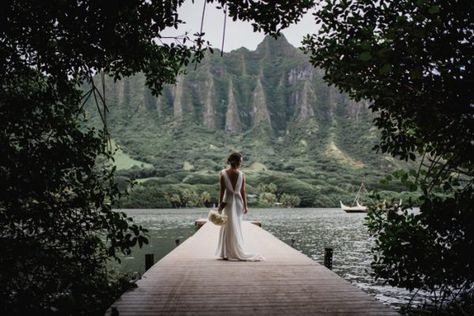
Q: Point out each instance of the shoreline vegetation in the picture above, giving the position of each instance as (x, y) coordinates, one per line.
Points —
(183, 195)
(286, 185)
(187, 189)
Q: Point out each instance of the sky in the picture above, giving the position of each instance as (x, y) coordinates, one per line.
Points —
(238, 34)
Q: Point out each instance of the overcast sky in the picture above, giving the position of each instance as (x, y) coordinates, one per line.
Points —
(238, 33)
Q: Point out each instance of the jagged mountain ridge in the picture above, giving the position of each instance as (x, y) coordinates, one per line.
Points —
(274, 85)
(271, 104)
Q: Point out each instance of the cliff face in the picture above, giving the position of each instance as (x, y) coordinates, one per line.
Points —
(270, 103)
(273, 85)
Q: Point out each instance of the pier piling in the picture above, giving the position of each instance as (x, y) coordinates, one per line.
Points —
(328, 257)
(149, 261)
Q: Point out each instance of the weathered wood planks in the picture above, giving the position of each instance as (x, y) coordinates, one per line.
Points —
(191, 281)
(201, 221)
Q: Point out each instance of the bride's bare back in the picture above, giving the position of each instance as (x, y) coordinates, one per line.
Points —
(232, 200)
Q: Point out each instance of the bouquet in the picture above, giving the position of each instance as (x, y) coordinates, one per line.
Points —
(217, 218)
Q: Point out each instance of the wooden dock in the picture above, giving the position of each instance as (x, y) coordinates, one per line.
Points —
(191, 281)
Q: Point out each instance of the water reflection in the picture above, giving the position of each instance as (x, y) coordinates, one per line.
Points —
(311, 229)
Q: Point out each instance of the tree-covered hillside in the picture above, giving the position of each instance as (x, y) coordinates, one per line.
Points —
(270, 104)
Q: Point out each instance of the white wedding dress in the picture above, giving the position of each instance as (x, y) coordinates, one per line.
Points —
(231, 241)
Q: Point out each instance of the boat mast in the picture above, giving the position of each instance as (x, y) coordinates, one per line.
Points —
(358, 193)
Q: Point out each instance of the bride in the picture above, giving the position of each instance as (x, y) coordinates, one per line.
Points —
(233, 200)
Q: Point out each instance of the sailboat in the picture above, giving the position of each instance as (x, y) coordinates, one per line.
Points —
(357, 207)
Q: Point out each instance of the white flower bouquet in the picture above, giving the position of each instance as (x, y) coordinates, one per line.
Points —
(217, 218)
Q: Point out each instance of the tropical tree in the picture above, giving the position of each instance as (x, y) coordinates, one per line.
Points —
(289, 200)
(264, 187)
(56, 217)
(56, 220)
(412, 60)
(205, 198)
(174, 199)
(189, 197)
(267, 199)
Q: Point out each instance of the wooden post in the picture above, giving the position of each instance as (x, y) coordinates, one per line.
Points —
(177, 241)
(328, 258)
(149, 261)
(114, 311)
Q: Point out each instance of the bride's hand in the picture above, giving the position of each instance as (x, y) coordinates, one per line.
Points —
(246, 209)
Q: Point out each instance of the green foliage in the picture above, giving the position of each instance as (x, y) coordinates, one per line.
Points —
(293, 150)
(413, 61)
(270, 188)
(305, 191)
(189, 198)
(201, 179)
(430, 249)
(267, 17)
(267, 196)
(267, 199)
(123, 161)
(118, 40)
(289, 200)
(322, 190)
(56, 220)
(412, 64)
(205, 198)
(155, 194)
(174, 199)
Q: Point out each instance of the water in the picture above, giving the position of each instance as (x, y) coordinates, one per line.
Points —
(312, 229)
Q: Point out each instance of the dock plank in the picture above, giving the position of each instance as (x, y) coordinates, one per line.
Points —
(191, 281)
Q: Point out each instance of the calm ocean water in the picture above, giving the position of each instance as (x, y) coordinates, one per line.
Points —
(312, 229)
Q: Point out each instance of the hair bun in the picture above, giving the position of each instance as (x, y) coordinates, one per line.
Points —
(234, 158)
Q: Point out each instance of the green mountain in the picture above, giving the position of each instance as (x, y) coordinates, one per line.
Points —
(270, 104)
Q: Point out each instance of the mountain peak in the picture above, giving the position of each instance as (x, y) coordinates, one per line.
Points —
(276, 46)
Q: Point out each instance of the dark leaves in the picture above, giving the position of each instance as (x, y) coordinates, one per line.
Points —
(57, 225)
(413, 61)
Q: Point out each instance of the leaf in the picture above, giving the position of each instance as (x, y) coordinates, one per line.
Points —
(434, 9)
(416, 74)
(385, 69)
(365, 56)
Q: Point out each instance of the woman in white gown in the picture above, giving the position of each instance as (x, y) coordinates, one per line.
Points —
(233, 201)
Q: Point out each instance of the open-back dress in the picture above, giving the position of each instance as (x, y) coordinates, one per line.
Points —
(231, 242)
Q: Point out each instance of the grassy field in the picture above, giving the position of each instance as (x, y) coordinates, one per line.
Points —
(124, 162)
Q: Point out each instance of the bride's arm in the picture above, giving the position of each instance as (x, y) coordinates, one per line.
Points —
(221, 192)
(243, 193)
